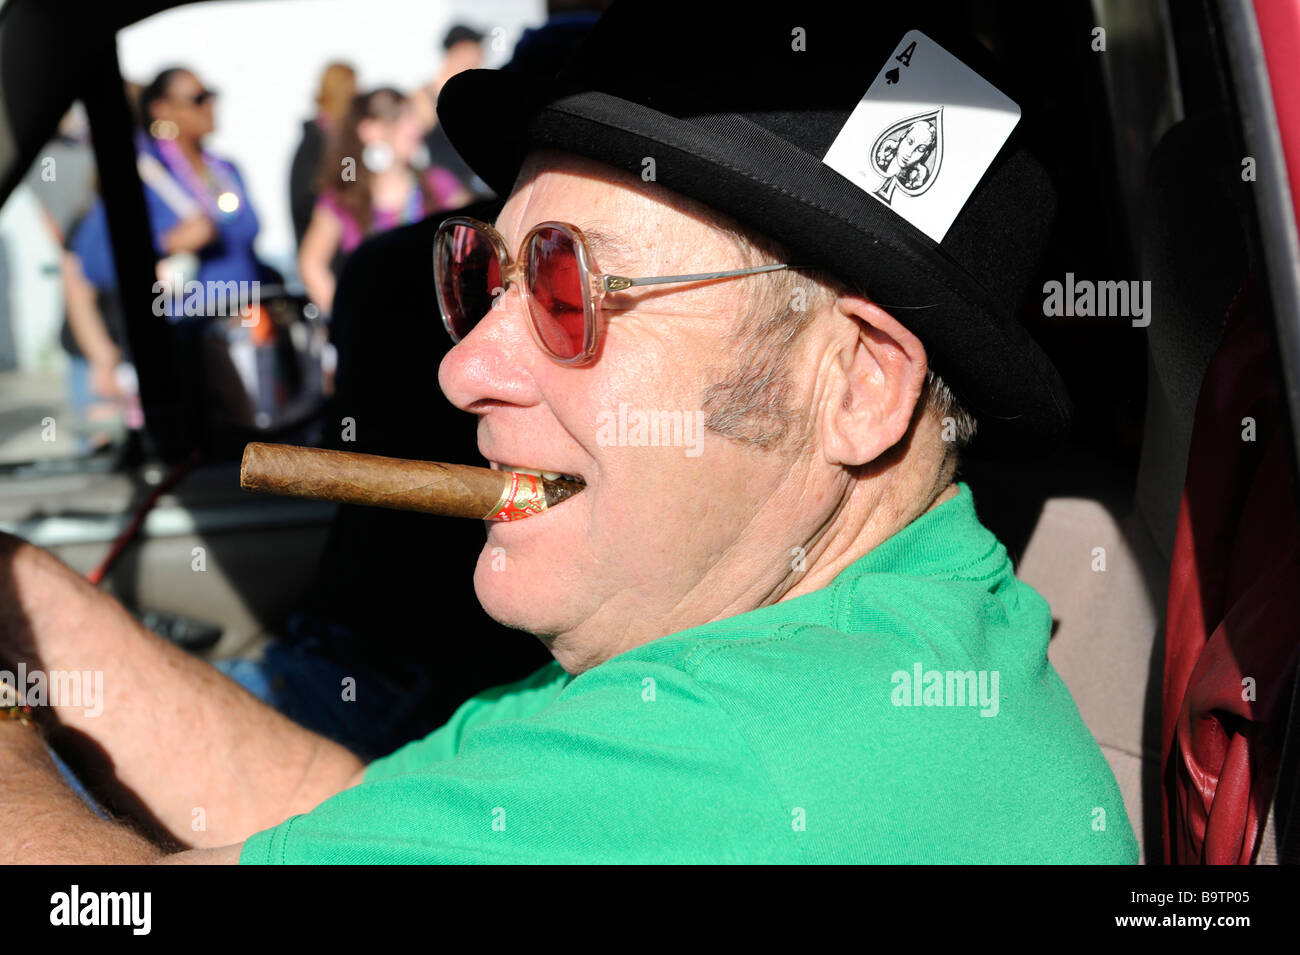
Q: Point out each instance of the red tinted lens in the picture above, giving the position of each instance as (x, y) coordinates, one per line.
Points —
(555, 284)
(468, 275)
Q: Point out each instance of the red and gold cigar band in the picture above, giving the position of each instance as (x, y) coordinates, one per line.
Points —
(524, 497)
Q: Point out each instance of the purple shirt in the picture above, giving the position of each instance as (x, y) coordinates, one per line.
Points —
(442, 183)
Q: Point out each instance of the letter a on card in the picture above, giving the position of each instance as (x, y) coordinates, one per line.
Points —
(924, 134)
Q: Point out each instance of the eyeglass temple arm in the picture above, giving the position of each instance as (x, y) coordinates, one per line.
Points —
(616, 283)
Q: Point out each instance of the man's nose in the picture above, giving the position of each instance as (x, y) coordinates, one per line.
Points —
(492, 361)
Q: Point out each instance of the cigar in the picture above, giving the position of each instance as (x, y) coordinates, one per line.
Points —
(451, 490)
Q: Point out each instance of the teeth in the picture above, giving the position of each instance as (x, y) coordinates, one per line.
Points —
(545, 475)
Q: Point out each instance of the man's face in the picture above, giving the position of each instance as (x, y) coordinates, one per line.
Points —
(663, 537)
(915, 145)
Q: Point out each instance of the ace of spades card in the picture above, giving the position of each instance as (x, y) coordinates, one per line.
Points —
(923, 134)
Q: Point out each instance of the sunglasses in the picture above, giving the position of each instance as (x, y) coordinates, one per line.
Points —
(562, 294)
(199, 98)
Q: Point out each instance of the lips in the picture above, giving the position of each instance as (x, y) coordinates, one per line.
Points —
(549, 475)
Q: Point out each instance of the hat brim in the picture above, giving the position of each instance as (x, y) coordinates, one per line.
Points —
(494, 118)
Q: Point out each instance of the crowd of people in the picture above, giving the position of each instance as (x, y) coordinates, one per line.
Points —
(369, 160)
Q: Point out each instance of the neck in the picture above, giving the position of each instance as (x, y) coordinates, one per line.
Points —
(848, 536)
(390, 190)
(871, 513)
(191, 150)
(395, 175)
(912, 479)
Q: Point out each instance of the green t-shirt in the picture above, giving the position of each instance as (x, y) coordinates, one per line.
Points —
(905, 713)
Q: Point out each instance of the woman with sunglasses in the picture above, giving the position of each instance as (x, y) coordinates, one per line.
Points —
(219, 225)
(371, 180)
(202, 222)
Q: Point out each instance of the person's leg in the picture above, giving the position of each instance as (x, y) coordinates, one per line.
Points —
(305, 678)
(80, 396)
(76, 785)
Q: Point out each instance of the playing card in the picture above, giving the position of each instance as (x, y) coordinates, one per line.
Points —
(924, 134)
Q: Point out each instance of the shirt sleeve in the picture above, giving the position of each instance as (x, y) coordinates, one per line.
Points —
(511, 701)
(444, 185)
(633, 762)
(90, 243)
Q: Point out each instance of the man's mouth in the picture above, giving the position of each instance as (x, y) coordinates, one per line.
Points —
(537, 472)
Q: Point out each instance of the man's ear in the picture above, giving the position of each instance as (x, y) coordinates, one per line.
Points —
(876, 379)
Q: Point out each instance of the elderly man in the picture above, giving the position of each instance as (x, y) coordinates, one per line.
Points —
(785, 639)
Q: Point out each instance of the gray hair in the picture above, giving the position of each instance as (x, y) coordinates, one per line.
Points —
(750, 402)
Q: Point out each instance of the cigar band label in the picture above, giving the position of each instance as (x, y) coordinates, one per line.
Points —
(525, 497)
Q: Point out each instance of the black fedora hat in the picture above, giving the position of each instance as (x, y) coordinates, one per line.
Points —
(738, 105)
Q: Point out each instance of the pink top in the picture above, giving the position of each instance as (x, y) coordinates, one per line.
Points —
(442, 183)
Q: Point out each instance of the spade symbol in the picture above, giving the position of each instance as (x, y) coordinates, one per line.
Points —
(891, 77)
(908, 154)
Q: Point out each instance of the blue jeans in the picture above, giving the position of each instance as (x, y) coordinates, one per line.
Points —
(76, 785)
(370, 713)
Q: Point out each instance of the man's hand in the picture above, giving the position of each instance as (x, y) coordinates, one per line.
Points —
(173, 741)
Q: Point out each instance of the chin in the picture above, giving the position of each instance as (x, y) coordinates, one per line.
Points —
(503, 598)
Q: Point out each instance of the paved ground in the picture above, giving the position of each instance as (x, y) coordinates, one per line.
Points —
(28, 398)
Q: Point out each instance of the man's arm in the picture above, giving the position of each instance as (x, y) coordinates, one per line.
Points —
(42, 821)
(226, 855)
(206, 760)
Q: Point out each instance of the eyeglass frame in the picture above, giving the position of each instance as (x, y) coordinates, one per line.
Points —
(594, 289)
(199, 99)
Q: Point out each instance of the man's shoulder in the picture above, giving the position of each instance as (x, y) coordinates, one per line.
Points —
(916, 703)
(518, 700)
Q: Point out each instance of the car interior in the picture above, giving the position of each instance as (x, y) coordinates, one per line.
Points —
(1148, 134)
